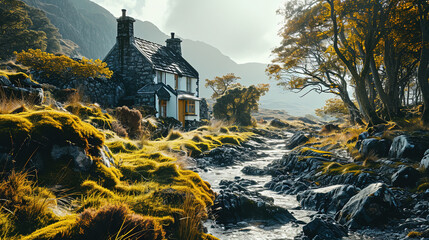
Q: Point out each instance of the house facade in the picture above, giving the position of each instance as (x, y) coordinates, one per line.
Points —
(154, 75)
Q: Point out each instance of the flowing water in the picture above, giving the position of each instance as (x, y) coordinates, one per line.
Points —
(255, 231)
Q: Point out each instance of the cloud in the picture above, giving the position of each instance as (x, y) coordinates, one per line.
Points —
(246, 30)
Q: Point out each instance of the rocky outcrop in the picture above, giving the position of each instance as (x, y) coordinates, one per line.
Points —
(296, 140)
(406, 177)
(372, 206)
(424, 163)
(20, 86)
(412, 147)
(226, 155)
(324, 228)
(252, 170)
(375, 147)
(236, 204)
(327, 199)
(278, 123)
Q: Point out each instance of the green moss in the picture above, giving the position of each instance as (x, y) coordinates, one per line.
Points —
(224, 130)
(335, 168)
(423, 187)
(230, 139)
(92, 186)
(192, 149)
(204, 146)
(213, 139)
(53, 230)
(173, 135)
(306, 151)
(233, 128)
(121, 145)
(203, 128)
(93, 114)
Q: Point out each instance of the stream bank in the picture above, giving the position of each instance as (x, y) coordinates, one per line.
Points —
(263, 172)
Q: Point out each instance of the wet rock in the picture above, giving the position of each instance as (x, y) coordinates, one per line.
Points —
(411, 147)
(406, 177)
(324, 228)
(424, 163)
(327, 199)
(278, 123)
(372, 206)
(296, 140)
(225, 156)
(236, 204)
(376, 147)
(252, 170)
(81, 161)
(361, 137)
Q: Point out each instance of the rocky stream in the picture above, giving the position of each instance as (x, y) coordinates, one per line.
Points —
(265, 191)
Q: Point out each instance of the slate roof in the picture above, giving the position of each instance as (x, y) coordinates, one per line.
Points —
(164, 59)
(160, 89)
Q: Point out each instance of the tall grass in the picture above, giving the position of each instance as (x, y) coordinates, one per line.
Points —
(190, 222)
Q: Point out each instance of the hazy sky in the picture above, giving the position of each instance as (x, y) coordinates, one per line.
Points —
(245, 30)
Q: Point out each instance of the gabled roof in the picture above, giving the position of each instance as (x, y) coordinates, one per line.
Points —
(160, 89)
(164, 59)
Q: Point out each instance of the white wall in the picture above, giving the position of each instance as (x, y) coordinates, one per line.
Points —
(172, 107)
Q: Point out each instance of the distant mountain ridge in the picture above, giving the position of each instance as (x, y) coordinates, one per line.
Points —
(93, 28)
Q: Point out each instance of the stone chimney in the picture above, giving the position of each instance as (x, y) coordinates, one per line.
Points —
(125, 30)
(174, 44)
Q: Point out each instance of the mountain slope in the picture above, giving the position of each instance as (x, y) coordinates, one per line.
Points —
(93, 28)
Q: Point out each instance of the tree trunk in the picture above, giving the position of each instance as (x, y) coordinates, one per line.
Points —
(422, 72)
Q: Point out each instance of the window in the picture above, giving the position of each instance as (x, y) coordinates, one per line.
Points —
(162, 108)
(176, 81)
(160, 76)
(188, 84)
(189, 107)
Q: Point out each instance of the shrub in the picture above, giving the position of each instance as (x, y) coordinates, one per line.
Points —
(131, 119)
(61, 66)
(237, 104)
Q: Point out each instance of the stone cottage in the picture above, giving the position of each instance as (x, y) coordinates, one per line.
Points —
(154, 75)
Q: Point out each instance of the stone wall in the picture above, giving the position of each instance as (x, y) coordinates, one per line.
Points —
(133, 70)
(106, 92)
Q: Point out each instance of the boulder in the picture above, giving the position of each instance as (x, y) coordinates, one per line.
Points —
(296, 140)
(81, 161)
(411, 147)
(327, 199)
(324, 228)
(236, 204)
(372, 206)
(377, 147)
(424, 163)
(406, 177)
(226, 155)
(252, 170)
(278, 123)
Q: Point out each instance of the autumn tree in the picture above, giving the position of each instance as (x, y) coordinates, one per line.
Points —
(220, 85)
(334, 107)
(304, 61)
(23, 27)
(237, 104)
(423, 69)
